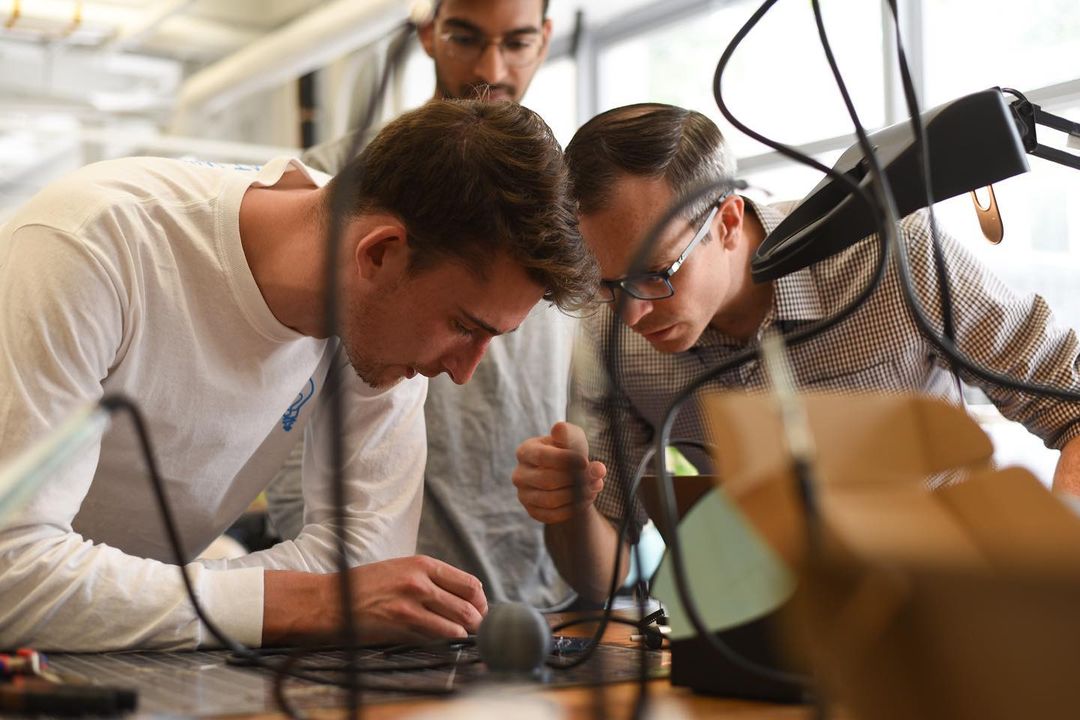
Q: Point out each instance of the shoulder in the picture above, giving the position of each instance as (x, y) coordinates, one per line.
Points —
(111, 185)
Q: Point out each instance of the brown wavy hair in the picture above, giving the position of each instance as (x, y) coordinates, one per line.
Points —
(472, 179)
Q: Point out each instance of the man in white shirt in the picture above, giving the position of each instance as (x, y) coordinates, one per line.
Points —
(491, 50)
(199, 292)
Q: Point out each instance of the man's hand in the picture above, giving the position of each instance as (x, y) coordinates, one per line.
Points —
(394, 601)
(554, 477)
(416, 598)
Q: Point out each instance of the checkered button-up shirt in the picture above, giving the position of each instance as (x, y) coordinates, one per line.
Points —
(878, 348)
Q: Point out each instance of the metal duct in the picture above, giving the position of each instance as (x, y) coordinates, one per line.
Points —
(300, 47)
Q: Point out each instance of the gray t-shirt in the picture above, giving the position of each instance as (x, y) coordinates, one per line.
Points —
(471, 516)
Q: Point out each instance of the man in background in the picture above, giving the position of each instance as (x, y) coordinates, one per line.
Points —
(694, 305)
(482, 50)
(486, 49)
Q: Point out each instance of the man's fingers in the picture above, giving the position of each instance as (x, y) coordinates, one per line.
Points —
(570, 436)
(551, 499)
(461, 585)
(530, 478)
(451, 607)
(426, 623)
(554, 477)
(538, 501)
(545, 455)
(533, 478)
(407, 619)
(545, 500)
(557, 515)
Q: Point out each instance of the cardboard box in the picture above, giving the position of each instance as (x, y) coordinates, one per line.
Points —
(958, 602)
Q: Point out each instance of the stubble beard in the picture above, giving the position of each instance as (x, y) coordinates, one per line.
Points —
(358, 329)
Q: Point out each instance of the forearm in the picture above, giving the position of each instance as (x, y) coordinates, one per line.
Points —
(1067, 474)
(298, 606)
(584, 553)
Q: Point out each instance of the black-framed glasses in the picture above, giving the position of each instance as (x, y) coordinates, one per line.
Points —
(655, 285)
(517, 49)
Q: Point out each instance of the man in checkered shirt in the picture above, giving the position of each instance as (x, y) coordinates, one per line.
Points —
(696, 305)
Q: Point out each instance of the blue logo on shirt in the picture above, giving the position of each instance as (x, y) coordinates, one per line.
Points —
(290, 416)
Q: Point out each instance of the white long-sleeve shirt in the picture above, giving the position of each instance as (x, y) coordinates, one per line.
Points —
(129, 277)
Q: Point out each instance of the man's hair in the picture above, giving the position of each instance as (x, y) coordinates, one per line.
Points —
(439, 3)
(472, 179)
(653, 140)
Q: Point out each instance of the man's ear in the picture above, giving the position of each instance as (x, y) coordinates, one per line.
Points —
(730, 218)
(426, 33)
(381, 251)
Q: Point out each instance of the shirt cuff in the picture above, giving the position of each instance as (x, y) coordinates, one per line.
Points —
(233, 599)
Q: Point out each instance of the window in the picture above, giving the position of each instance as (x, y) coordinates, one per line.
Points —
(417, 83)
(1040, 252)
(784, 179)
(971, 46)
(553, 94)
(778, 81)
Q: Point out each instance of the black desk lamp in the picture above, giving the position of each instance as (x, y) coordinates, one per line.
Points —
(973, 141)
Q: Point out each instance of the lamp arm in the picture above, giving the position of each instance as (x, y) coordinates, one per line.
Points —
(1028, 115)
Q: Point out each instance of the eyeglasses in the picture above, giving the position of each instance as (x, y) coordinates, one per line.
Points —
(655, 285)
(518, 50)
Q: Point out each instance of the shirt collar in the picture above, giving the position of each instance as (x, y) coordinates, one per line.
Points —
(796, 298)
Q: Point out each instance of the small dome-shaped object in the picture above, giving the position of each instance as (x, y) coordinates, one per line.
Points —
(514, 638)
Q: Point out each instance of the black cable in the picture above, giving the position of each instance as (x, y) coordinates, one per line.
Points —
(613, 586)
(666, 491)
(118, 403)
(606, 616)
(249, 657)
(943, 344)
(921, 145)
(887, 235)
(340, 200)
(629, 527)
(586, 619)
(288, 669)
(641, 703)
(443, 644)
(378, 665)
(113, 403)
(797, 337)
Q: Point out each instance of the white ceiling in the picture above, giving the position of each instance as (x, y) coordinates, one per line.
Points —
(195, 30)
(103, 71)
(169, 60)
(137, 56)
(70, 66)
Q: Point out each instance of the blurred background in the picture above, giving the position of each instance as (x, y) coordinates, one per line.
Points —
(246, 80)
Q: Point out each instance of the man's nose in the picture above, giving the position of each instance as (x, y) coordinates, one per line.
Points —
(461, 365)
(633, 309)
(491, 67)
